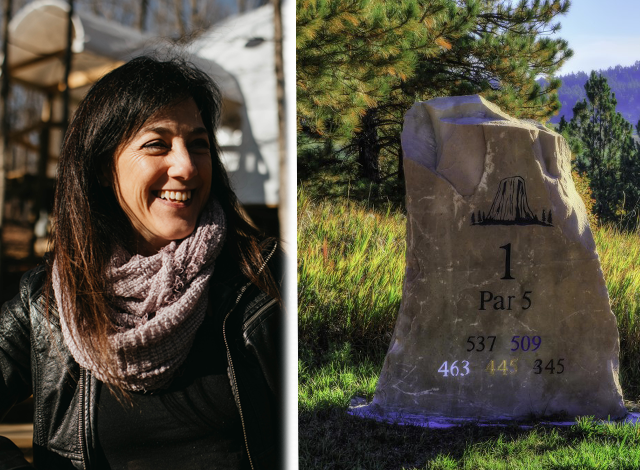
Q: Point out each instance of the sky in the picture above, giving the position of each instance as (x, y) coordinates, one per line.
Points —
(602, 34)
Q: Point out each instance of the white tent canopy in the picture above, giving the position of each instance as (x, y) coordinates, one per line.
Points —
(38, 38)
(244, 44)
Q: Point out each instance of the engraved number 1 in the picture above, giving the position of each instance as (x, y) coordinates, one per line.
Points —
(507, 261)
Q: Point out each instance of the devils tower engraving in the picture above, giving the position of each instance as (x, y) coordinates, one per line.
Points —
(511, 207)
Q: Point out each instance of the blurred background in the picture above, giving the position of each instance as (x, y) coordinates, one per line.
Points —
(54, 50)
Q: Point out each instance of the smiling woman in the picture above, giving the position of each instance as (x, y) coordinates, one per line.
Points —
(164, 176)
(151, 337)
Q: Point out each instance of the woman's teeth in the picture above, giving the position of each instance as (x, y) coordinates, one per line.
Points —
(176, 195)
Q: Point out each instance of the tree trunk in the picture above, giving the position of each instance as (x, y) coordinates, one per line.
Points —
(369, 147)
(398, 144)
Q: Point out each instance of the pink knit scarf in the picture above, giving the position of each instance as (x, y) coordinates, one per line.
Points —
(158, 304)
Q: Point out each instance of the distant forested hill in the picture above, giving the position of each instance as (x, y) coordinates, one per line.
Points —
(624, 81)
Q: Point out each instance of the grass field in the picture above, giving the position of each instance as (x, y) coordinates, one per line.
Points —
(351, 265)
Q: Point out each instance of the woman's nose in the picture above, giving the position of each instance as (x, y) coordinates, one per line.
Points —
(182, 164)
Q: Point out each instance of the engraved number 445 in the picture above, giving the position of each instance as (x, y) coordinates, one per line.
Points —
(502, 367)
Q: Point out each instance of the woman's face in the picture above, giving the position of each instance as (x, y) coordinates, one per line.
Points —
(164, 176)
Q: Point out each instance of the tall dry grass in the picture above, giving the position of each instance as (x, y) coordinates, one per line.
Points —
(351, 268)
(620, 259)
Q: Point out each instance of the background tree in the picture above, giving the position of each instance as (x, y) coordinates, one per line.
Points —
(605, 152)
(630, 178)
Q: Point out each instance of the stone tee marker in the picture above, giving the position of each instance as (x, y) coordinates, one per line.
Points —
(505, 313)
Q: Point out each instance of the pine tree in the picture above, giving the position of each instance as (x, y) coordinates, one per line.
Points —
(606, 148)
(362, 63)
(351, 57)
(501, 56)
(630, 182)
(349, 53)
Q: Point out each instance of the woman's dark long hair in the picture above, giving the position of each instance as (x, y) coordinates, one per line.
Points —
(88, 220)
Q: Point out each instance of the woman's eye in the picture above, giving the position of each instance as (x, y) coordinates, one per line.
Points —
(200, 144)
(156, 144)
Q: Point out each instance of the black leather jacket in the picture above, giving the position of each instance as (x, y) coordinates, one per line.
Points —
(34, 360)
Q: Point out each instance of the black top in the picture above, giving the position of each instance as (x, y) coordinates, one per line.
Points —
(193, 424)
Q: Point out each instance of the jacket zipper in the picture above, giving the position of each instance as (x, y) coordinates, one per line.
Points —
(226, 344)
(235, 382)
(81, 418)
(246, 324)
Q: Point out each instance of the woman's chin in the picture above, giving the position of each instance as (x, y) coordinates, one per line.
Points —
(150, 243)
(177, 234)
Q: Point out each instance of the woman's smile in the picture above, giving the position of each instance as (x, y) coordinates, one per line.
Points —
(174, 199)
(173, 195)
(163, 176)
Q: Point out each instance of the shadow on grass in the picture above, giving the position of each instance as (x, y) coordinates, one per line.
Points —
(332, 439)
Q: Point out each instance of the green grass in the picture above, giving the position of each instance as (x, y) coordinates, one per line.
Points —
(351, 267)
(335, 379)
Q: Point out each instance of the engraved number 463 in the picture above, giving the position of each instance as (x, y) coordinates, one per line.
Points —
(454, 370)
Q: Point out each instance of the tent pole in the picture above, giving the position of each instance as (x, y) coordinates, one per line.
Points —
(4, 96)
(43, 159)
(67, 72)
(282, 128)
(142, 21)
